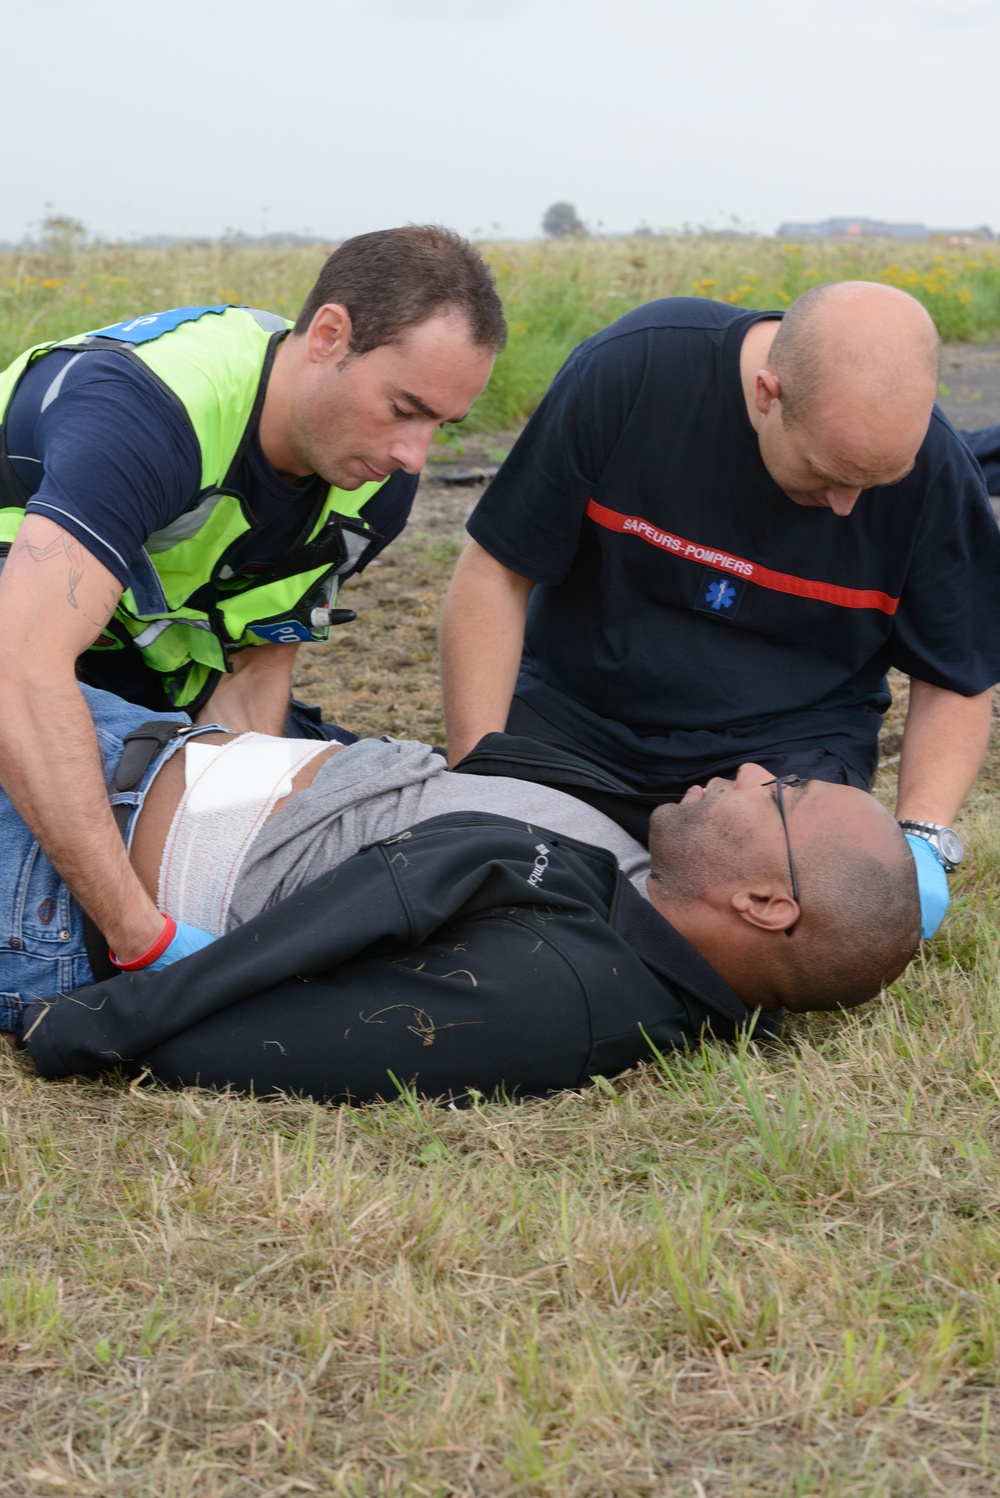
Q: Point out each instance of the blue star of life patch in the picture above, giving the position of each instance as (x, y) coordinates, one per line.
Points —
(720, 593)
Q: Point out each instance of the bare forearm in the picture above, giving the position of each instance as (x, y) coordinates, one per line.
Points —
(51, 770)
(943, 746)
(254, 699)
(55, 598)
(482, 636)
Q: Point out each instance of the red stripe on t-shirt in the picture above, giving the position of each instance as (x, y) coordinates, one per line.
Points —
(708, 556)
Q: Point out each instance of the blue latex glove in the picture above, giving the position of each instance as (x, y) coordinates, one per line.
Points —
(932, 882)
(187, 939)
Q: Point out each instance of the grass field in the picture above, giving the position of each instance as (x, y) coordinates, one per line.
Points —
(746, 1271)
(555, 293)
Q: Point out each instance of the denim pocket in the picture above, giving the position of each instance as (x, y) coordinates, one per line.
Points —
(44, 913)
(42, 951)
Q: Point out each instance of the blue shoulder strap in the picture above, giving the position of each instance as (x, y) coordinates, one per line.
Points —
(155, 324)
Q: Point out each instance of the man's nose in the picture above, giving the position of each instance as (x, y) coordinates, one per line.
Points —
(842, 501)
(409, 449)
(750, 773)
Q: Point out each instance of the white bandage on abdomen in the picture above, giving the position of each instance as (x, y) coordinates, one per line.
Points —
(230, 791)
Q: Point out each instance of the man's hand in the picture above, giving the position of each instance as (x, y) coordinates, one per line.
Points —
(944, 742)
(254, 699)
(55, 599)
(482, 636)
(175, 942)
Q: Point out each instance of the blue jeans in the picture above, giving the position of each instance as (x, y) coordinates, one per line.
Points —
(42, 950)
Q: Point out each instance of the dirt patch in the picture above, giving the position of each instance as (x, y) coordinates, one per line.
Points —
(380, 674)
(970, 379)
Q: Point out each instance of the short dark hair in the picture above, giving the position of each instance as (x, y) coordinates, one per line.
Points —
(865, 918)
(860, 907)
(395, 279)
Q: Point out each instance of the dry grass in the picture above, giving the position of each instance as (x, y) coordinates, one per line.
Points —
(761, 1273)
(746, 1271)
(380, 674)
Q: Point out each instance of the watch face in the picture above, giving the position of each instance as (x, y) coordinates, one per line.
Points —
(951, 845)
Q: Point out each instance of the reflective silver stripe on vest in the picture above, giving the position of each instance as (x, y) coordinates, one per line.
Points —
(160, 626)
(184, 527)
(356, 546)
(269, 321)
(152, 632)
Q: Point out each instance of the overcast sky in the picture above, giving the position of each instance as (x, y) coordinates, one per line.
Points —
(335, 116)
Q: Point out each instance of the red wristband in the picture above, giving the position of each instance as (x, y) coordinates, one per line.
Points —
(158, 948)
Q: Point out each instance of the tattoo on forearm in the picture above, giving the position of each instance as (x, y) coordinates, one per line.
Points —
(75, 574)
(44, 553)
(66, 546)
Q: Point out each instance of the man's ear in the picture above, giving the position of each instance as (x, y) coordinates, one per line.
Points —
(767, 906)
(329, 335)
(766, 390)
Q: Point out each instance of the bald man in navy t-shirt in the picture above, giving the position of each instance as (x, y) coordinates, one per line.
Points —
(717, 533)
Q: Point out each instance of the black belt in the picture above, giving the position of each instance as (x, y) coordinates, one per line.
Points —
(139, 749)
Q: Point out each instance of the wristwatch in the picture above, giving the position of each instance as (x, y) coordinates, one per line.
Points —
(944, 840)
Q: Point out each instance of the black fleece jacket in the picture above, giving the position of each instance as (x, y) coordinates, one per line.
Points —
(471, 953)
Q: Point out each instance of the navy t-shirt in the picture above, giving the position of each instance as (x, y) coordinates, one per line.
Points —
(689, 615)
(105, 452)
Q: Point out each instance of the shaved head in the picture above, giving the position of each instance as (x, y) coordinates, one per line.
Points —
(874, 338)
(721, 875)
(840, 393)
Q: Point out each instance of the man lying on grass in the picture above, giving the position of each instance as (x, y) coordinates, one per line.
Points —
(381, 917)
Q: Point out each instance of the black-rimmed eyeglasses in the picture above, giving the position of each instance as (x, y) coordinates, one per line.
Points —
(782, 784)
